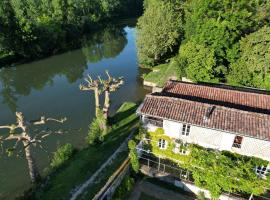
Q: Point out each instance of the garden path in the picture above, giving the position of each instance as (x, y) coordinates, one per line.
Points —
(81, 188)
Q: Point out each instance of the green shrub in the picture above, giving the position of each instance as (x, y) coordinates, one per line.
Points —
(134, 160)
(97, 130)
(125, 187)
(62, 154)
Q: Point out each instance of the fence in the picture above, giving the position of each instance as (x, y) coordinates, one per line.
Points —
(167, 167)
(114, 181)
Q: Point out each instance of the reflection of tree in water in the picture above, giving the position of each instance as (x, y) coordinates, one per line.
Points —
(16, 81)
(21, 80)
(107, 43)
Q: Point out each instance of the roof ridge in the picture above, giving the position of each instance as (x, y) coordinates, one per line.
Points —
(202, 103)
(224, 87)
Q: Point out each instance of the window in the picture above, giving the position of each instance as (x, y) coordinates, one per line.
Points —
(186, 130)
(237, 142)
(183, 149)
(261, 171)
(162, 144)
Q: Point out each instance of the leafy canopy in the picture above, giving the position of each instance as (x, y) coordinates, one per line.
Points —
(253, 67)
(159, 31)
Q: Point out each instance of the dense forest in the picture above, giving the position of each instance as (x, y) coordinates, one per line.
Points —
(36, 28)
(208, 40)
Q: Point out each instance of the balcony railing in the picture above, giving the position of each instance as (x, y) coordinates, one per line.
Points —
(153, 122)
(235, 145)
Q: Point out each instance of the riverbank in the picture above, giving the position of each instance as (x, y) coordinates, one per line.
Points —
(162, 73)
(87, 161)
(74, 43)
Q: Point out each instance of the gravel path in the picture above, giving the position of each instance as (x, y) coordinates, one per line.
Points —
(81, 188)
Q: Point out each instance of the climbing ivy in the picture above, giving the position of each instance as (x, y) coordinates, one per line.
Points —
(133, 156)
(217, 171)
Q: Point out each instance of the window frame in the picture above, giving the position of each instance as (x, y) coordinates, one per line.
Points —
(162, 144)
(186, 130)
(238, 141)
(183, 148)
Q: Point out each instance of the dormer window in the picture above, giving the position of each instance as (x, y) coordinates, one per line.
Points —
(237, 143)
(185, 129)
(162, 144)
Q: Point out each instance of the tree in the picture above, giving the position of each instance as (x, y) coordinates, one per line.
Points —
(198, 62)
(26, 138)
(221, 24)
(252, 68)
(92, 85)
(110, 85)
(99, 86)
(159, 32)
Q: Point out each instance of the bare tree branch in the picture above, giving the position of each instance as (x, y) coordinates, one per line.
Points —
(11, 127)
(43, 120)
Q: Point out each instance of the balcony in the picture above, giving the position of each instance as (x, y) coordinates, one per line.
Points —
(155, 122)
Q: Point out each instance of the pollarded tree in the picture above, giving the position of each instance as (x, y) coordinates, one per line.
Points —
(110, 85)
(159, 31)
(102, 85)
(253, 67)
(20, 133)
(92, 85)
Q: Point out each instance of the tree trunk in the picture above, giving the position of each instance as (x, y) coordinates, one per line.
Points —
(97, 101)
(156, 57)
(33, 171)
(106, 104)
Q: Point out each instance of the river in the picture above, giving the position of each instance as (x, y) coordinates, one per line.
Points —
(50, 87)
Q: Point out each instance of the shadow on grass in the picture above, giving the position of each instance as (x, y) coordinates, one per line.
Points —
(85, 162)
(123, 112)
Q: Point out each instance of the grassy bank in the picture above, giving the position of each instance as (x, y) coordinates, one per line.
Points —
(161, 73)
(94, 188)
(87, 161)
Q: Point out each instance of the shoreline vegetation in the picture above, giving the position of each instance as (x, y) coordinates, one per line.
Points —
(60, 182)
(205, 42)
(31, 30)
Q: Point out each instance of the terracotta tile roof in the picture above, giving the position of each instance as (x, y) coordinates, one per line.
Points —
(246, 100)
(191, 111)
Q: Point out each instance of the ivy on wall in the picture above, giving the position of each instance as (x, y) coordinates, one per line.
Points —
(217, 171)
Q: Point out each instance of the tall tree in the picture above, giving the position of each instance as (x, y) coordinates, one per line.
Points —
(253, 67)
(27, 139)
(159, 32)
(198, 62)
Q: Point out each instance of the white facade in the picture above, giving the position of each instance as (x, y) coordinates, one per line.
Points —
(215, 139)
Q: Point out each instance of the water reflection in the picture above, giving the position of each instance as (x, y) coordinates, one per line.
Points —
(50, 87)
(20, 81)
(107, 43)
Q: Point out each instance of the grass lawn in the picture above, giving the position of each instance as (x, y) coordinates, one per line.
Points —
(88, 160)
(93, 189)
(146, 197)
(162, 73)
